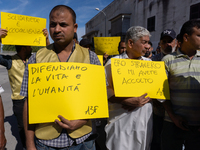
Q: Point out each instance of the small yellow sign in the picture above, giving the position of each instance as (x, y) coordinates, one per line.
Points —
(23, 30)
(73, 90)
(107, 45)
(133, 78)
(100, 59)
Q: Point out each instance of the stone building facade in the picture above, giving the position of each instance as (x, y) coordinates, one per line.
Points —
(155, 15)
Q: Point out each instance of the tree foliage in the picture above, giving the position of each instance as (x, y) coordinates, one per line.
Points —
(8, 48)
(12, 48)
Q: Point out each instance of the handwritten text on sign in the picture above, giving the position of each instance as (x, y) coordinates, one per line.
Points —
(107, 45)
(23, 30)
(132, 78)
(73, 90)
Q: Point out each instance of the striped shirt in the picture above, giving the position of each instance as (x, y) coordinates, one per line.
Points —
(63, 140)
(184, 84)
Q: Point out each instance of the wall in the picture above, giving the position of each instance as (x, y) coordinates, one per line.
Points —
(168, 14)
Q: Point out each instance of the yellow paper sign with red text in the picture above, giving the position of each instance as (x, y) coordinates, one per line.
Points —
(73, 90)
(23, 30)
(133, 78)
(107, 45)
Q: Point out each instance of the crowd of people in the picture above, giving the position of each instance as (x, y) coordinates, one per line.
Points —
(134, 123)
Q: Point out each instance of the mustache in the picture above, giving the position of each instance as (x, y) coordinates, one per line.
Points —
(147, 54)
(57, 34)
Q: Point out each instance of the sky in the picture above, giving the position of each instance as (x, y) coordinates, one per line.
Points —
(84, 9)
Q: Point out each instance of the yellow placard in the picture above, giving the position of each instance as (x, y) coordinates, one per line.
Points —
(73, 90)
(100, 59)
(23, 30)
(107, 45)
(133, 78)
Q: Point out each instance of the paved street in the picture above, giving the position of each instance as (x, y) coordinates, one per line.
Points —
(10, 122)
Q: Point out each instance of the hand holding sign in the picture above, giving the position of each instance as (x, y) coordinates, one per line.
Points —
(70, 124)
(3, 33)
(23, 30)
(73, 90)
(136, 101)
(133, 78)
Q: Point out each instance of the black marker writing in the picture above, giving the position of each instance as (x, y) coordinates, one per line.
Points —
(91, 110)
(137, 80)
(53, 90)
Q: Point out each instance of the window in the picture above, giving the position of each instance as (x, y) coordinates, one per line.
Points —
(151, 24)
(120, 24)
(195, 11)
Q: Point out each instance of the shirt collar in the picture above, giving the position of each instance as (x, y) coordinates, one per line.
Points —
(74, 45)
(124, 55)
(180, 54)
(73, 48)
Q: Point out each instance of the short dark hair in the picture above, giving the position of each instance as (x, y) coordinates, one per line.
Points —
(188, 27)
(85, 42)
(75, 36)
(18, 48)
(178, 37)
(150, 43)
(64, 7)
(121, 42)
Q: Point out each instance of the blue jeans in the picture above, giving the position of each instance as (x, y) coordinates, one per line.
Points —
(89, 145)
